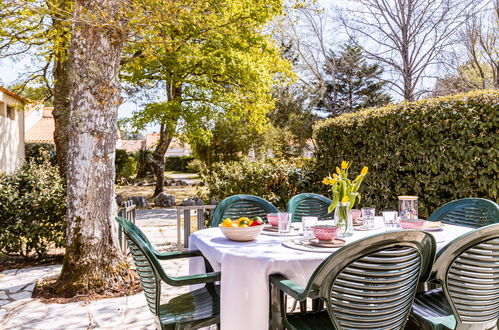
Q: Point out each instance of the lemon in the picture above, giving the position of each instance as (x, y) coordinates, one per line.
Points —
(241, 226)
(227, 223)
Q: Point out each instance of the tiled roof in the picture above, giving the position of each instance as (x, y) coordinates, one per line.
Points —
(152, 140)
(43, 130)
(14, 95)
(131, 145)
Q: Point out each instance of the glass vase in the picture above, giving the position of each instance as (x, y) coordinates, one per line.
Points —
(343, 219)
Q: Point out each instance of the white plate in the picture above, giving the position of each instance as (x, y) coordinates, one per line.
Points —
(298, 244)
(362, 228)
(275, 233)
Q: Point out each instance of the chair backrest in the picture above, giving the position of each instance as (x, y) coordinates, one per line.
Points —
(468, 269)
(371, 283)
(470, 212)
(238, 206)
(308, 204)
(146, 263)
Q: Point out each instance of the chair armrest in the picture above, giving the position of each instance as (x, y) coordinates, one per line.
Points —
(178, 254)
(289, 287)
(194, 279)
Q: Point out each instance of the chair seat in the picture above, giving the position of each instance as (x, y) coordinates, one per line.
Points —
(197, 308)
(309, 321)
(431, 310)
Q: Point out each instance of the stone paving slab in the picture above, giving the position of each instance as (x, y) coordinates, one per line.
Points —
(19, 311)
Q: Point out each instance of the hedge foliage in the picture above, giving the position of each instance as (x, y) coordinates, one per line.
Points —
(178, 163)
(35, 150)
(438, 149)
(126, 165)
(33, 209)
(274, 180)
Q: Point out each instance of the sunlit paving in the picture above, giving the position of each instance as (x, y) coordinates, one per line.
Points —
(249, 164)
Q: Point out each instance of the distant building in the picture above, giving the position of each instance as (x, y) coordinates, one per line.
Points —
(40, 125)
(176, 147)
(11, 130)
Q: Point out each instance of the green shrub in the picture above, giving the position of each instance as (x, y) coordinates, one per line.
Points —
(275, 180)
(33, 210)
(35, 150)
(438, 149)
(178, 163)
(126, 165)
(195, 166)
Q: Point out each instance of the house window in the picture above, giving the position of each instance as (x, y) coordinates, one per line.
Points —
(11, 113)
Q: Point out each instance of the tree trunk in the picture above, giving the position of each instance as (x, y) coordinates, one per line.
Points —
(165, 137)
(93, 260)
(60, 11)
(158, 164)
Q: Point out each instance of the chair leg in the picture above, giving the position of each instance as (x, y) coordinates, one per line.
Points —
(277, 308)
(303, 306)
(317, 304)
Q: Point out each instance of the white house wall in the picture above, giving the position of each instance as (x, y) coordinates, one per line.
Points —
(11, 134)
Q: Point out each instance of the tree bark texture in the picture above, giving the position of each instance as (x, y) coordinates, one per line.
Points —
(93, 260)
(165, 137)
(60, 24)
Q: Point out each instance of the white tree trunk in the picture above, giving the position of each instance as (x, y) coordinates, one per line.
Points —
(93, 259)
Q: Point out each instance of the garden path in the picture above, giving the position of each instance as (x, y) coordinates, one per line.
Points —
(19, 311)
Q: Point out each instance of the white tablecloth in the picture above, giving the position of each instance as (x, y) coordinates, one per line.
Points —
(246, 266)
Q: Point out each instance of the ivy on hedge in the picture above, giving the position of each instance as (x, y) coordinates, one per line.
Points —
(439, 149)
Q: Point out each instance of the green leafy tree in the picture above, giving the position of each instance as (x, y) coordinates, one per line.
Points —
(213, 60)
(358, 84)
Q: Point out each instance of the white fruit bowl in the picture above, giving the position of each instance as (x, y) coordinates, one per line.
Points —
(242, 234)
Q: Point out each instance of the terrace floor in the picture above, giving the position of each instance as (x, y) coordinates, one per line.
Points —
(19, 311)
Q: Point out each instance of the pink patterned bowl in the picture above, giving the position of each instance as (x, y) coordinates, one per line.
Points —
(415, 224)
(325, 232)
(273, 219)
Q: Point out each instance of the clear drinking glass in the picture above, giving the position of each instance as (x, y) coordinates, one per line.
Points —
(391, 220)
(307, 223)
(284, 224)
(368, 217)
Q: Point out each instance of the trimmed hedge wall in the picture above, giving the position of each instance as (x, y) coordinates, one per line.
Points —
(438, 149)
(178, 163)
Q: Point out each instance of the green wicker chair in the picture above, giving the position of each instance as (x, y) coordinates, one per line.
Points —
(368, 284)
(238, 206)
(468, 270)
(192, 310)
(308, 204)
(469, 212)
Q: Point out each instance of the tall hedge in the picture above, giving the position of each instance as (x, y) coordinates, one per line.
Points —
(438, 149)
(178, 163)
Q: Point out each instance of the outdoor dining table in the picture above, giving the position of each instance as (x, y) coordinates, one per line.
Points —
(246, 267)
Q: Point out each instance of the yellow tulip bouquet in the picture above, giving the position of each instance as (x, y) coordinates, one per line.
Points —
(344, 193)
